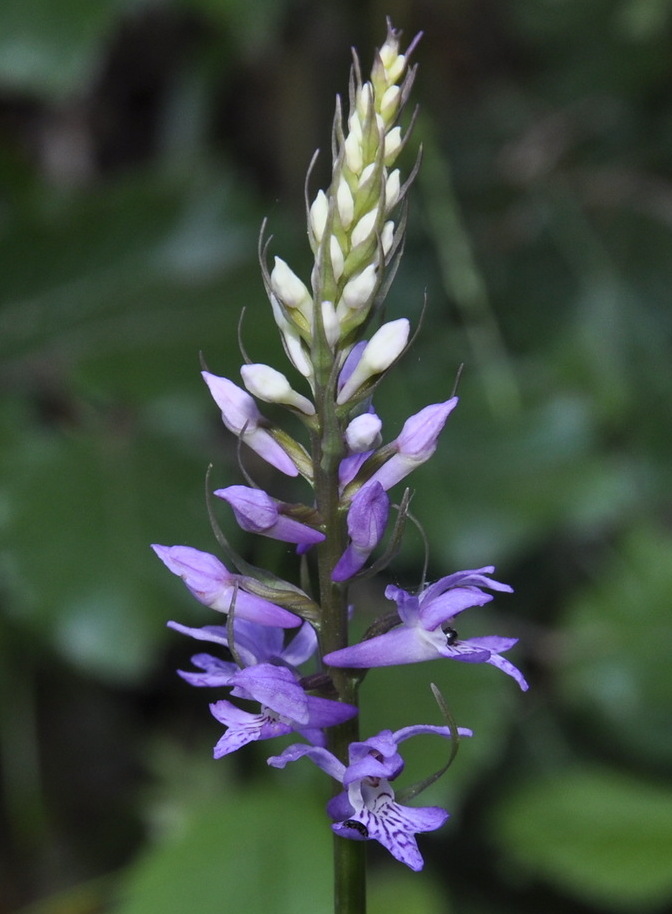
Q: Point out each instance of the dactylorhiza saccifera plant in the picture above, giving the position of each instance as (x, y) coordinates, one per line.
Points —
(334, 339)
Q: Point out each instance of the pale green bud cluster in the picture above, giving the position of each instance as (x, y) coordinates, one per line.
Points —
(354, 229)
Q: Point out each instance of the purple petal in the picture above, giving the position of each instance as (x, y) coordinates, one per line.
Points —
(257, 512)
(216, 672)
(463, 651)
(302, 646)
(323, 712)
(493, 643)
(419, 729)
(408, 605)
(241, 416)
(321, 757)
(243, 727)
(506, 667)
(395, 827)
(474, 578)
(213, 585)
(276, 687)
(434, 613)
(398, 646)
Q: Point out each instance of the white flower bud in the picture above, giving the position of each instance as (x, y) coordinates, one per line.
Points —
(272, 386)
(353, 152)
(357, 293)
(337, 258)
(363, 433)
(389, 104)
(387, 237)
(345, 203)
(364, 101)
(392, 144)
(291, 340)
(395, 68)
(289, 288)
(318, 215)
(392, 189)
(364, 227)
(386, 344)
(389, 52)
(355, 125)
(332, 327)
(366, 174)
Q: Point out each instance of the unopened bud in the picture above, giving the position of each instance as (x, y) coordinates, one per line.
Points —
(392, 189)
(364, 227)
(353, 152)
(289, 288)
(318, 215)
(366, 174)
(363, 433)
(337, 259)
(332, 328)
(272, 386)
(357, 293)
(346, 203)
(387, 237)
(389, 104)
(392, 145)
(395, 68)
(364, 101)
(386, 345)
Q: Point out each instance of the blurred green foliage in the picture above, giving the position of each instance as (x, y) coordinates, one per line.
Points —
(141, 145)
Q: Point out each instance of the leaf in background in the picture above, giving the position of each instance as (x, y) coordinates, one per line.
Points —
(246, 850)
(50, 48)
(617, 636)
(603, 837)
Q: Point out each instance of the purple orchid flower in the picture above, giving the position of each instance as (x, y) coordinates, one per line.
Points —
(242, 417)
(367, 520)
(367, 808)
(257, 512)
(415, 444)
(215, 586)
(427, 631)
(285, 708)
(253, 643)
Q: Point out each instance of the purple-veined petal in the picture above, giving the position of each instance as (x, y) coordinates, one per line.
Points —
(243, 727)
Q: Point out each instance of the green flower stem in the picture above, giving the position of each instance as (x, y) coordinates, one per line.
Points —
(349, 856)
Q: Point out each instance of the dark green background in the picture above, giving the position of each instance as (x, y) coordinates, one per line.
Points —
(141, 144)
